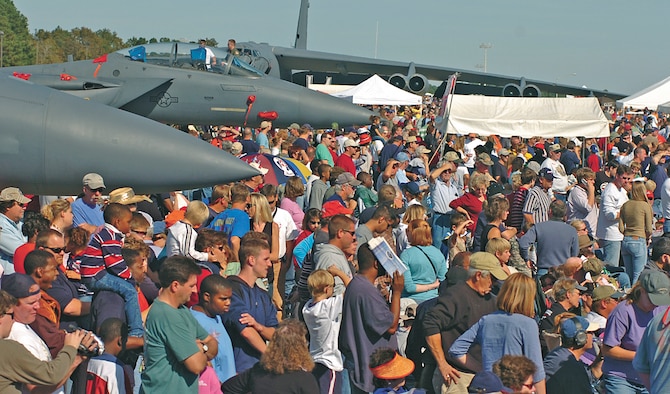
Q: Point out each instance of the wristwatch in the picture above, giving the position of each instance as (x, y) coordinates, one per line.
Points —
(205, 348)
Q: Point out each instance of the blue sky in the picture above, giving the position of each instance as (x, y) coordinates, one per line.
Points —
(613, 45)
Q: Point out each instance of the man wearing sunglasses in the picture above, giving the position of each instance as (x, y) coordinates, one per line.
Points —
(62, 289)
(12, 206)
(87, 209)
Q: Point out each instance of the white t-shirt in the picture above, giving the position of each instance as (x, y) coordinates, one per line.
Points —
(469, 150)
(287, 229)
(323, 320)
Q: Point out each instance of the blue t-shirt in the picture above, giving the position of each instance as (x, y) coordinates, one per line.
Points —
(262, 140)
(223, 363)
(84, 213)
(256, 302)
(233, 222)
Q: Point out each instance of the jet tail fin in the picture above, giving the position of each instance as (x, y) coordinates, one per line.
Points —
(301, 33)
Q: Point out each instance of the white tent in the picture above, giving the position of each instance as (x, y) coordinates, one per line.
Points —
(376, 91)
(651, 97)
(527, 117)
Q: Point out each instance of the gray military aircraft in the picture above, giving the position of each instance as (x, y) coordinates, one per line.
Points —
(293, 64)
(49, 140)
(169, 84)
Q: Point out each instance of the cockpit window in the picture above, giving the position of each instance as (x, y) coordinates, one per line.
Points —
(178, 55)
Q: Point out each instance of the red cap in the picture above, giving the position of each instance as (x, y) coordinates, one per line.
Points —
(332, 208)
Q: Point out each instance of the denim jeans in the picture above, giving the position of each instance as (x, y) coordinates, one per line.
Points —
(441, 229)
(611, 251)
(618, 385)
(634, 254)
(122, 287)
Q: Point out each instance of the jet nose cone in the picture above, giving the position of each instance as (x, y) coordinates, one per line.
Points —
(51, 139)
(326, 109)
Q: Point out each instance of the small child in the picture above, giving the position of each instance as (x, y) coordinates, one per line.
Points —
(365, 192)
(215, 293)
(105, 373)
(458, 240)
(500, 247)
(390, 370)
(103, 268)
(323, 316)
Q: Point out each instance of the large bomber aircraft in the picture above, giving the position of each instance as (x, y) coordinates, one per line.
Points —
(170, 83)
(294, 64)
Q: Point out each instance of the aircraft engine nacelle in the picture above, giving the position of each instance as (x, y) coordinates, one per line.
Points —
(418, 84)
(514, 90)
(399, 81)
(531, 91)
(511, 90)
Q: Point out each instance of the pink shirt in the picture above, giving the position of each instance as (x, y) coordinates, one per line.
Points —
(294, 209)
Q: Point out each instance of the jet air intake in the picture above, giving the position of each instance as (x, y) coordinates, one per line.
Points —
(418, 84)
(514, 90)
(398, 80)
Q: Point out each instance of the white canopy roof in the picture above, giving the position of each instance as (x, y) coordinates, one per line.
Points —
(376, 91)
(651, 97)
(527, 116)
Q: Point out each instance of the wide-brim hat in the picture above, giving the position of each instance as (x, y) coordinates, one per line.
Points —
(398, 368)
(126, 196)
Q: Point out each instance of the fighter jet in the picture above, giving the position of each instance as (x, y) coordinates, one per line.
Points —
(172, 84)
(49, 140)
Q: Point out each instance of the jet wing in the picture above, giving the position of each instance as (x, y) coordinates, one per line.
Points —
(306, 60)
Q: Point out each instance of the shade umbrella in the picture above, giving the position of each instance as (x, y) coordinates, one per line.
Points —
(303, 169)
(279, 168)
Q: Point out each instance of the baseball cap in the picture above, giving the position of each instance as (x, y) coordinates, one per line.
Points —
(605, 291)
(402, 156)
(484, 261)
(19, 285)
(569, 329)
(93, 181)
(546, 174)
(657, 285)
(365, 139)
(485, 159)
(593, 265)
(554, 147)
(535, 166)
(411, 188)
(346, 177)
(485, 382)
(13, 194)
(332, 208)
(350, 143)
(453, 157)
(493, 189)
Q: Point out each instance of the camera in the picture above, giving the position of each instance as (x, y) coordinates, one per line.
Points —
(98, 348)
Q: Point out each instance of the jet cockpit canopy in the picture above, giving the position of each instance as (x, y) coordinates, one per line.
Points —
(180, 55)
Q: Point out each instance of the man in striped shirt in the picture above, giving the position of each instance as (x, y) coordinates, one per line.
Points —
(536, 208)
(103, 267)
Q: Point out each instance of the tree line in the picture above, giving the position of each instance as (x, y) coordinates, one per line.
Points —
(20, 47)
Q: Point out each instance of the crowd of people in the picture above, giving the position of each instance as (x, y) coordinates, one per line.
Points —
(528, 265)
